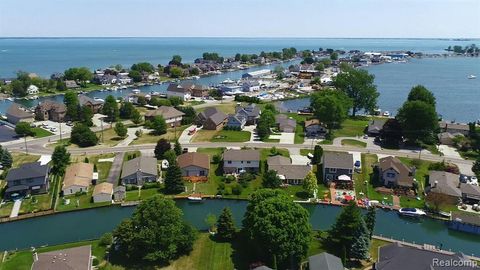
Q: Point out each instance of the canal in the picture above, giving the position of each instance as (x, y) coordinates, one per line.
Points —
(92, 223)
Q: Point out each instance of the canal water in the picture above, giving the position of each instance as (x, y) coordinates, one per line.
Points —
(90, 224)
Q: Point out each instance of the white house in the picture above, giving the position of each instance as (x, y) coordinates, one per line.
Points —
(175, 90)
(78, 178)
(238, 161)
(32, 90)
(103, 192)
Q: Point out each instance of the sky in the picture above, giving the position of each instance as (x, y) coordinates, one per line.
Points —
(241, 18)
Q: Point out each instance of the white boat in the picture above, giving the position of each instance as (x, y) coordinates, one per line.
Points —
(411, 212)
(136, 91)
(98, 99)
(194, 198)
(386, 113)
(472, 76)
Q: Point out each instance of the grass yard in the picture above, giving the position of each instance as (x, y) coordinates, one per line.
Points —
(78, 202)
(103, 168)
(21, 158)
(136, 195)
(37, 203)
(352, 127)
(227, 107)
(355, 143)
(305, 152)
(232, 136)
(171, 135)
(110, 138)
(421, 175)
(6, 209)
(40, 132)
(367, 174)
(299, 134)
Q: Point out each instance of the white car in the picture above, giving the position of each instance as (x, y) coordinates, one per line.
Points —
(53, 129)
(473, 181)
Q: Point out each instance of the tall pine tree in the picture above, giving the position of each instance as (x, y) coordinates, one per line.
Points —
(370, 219)
(173, 180)
(361, 242)
(225, 225)
(177, 148)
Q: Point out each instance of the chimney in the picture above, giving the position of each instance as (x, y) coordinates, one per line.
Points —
(435, 183)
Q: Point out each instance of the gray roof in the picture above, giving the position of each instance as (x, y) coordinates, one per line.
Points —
(250, 110)
(470, 190)
(173, 87)
(166, 112)
(324, 261)
(218, 117)
(209, 112)
(397, 257)
(143, 164)
(291, 171)
(468, 218)
(457, 126)
(77, 258)
(339, 160)
(445, 183)
(239, 155)
(82, 99)
(278, 160)
(18, 111)
(376, 125)
(27, 170)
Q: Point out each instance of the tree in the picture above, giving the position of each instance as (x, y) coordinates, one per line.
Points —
(476, 167)
(83, 136)
(126, 110)
(159, 125)
(271, 180)
(178, 148)
(419, 121)
(81, 74)
(174, 180)
(156, 232)
(320, 67)
(225, 225)
(310, 183)
(19, 88)
(176, 60)
(86, 116)
(175, 101)
(210, 220)
(120, 129)
(5, 158)
(170, 156)
(421, 93)
(71, 102)
(278, 226)
(161, 147)
(24, 129)
(370, 220)
(330, 107)
(317, 154)
(359, 86)
(334, 56)
(143, 67)
(136, 117)
(60, 160)
(176, 72)
(135, 75)
(110, 109)
(360, 248)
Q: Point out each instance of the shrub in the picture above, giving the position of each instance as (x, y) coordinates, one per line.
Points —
(106, 239)
(216, 159)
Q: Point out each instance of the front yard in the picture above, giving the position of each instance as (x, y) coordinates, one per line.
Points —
(171, 135)
(221, 136)
(355, 143)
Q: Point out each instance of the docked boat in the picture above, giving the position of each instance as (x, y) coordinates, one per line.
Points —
(136, 91)
(386, 113)
(472, 76)
(195, 198)
(411, 212)
(98, 99)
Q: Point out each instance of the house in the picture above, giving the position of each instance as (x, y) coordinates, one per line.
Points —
(78, 177)
(211, 119)
(124, 79)
(313, 128)
(447, 138)
(324, 261)
(257, 74)
(394, 173)
(236, 121)
(250, 86)
(200, 90)
(105, 79)
(119, 193)
(449, 185)
(454, 128)
(194, 164)
(71, 84)
(49, 110)
(238, 161)
(103, 192)
(16, 113)
(95, 105)
(465, 222)
(176, 90)
(375, 127)
(77, 258)
(288, 172)
(470, 193)
(285, 124)
(29, 178)
(139, 170)
(395, 256)
(251, 113)
(172, 116)
(337, 167)
(32, 90)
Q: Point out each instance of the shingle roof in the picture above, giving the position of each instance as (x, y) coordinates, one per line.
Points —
(470, 190)
(77, 258)
(79, 174)
(144, 164)
(103, 188)
(291, 171)
(209, 112)
(339, 160)
(239, 155)
(27, 170)
(218, 117)
(324, 261)
(18, 111)
(473, 219)
(278, 160)
(193, 159)
(50, 105)
(376, 125)
(445, 183)
(173, 87)
(406, 176)
(445, 125)
(166, 112)
(82, 99)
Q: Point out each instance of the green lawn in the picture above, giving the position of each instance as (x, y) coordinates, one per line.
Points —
(103, 168)
(305, 152)
(40, 132)
(110, 138)
(352, 127)
(421, 175)
(299, 134)
(231, 136)
(355, 143)
(37, 203)
(78, 202)
(136, 195)
(367, 174)
(21, 158)
(6, 209)
(171, 135)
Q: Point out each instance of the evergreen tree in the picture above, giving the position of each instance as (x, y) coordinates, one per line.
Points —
(136, 117)
(370, 219)
(60, 160)
(317, 154)
(5, 158)
(71, 102)
(110, 109)
(173, 180)
(177, 148)
(161, 147)
(361, 242)
(310, 183)
(159, 125)
(171, 157)
(225, 225)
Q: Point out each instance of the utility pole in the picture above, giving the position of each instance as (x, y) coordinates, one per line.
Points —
(25, 138)
(60, 124)
(101, 126)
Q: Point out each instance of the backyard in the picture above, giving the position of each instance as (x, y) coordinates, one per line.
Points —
(76, 202)
(103, 168)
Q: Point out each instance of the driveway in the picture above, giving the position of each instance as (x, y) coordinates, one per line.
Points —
(16, 208)
(284, 137)
(356, 156)
(253, 135)
(44, 159)
(449, 151)
(50, 124)
(184, 137)
(116, 168)
(299, 160)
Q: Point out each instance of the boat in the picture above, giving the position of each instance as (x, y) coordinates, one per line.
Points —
(98, 99)
(411, 212)
(472, 76)
(194, 198)
(136, 91)
(386, 113)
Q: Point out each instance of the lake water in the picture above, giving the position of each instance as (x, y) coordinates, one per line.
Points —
(73, 226)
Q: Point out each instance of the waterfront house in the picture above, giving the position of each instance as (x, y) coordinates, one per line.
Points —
(465, 222)
(29, 178)
(78, 177)
(194, 164)
(250, 86)
(17, 113)
(324, 261)
(396, 256)
(251, 113)
(236, 121)
(288, 172)
(139, 170)
(454, 128)
(470, 193)
(176, 90)
(49, 110)
(313, 128)
(71, 84)
(105, 79)
(103, 192)
(393, 172)
(337, 167)
(200, 90)
(257, 74)
(124, 79)
(285, 124)
(375, 127)
(238, 161)
(32, 90)
(211, 119)
(172, 116)
(77, 258)
(453, 191)
(119, 193)
(447, 138)
(95, 105)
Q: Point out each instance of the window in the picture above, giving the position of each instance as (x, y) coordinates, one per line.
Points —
(332, 170)
(390, 175)
(229, 162)
(248, 162)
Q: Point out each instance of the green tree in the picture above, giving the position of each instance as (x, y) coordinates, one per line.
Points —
(476, 167)
(359, 86)
(211, 220)
(370, 220)
(174, 180)
(86, 116)
(71, 102)
(271, 180)
(83, 136)
(110, 109)
(360, 248)
(24, 129)
(60, 86)
(19, 88)
(176, 72)
(320, 67)
(135, 75)
(330, 107)
(278, 226)
(225, 225)
(143, 67)
(310, 183)
(176, 60)
(317, 154)
(126, 110)
(170, 156)
(334, 56)
(81, 74)
(175, 101)
(5, 158)
(418, 120)
(419, 92)
(60, 160)
(159, 125)
(156, 232)
(136, 117)
(162, 147)
(178, 148)
(120, 129)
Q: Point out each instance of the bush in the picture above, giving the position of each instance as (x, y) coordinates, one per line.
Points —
(247, 99)
(228, 179)
(151, 185)
(95, 262)
(216, 159)
(221, 189)
(106, 240)
(237, 189)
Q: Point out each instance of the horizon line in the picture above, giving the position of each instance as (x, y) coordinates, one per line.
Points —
(243, 37)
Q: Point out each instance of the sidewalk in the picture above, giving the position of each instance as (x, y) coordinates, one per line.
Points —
(16, 208)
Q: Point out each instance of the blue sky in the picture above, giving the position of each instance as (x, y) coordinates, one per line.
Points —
(241, 18)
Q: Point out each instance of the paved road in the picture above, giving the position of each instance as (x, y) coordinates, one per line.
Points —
(116, 168)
